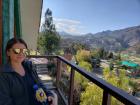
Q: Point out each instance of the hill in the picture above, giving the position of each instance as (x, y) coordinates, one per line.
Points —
(118, 40)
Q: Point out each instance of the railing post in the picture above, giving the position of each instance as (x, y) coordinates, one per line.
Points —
(71, 87)
(106, 98)
(58, 74)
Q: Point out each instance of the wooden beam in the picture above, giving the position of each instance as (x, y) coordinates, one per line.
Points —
(0, 31)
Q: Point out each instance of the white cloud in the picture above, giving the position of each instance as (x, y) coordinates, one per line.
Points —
(67, 25)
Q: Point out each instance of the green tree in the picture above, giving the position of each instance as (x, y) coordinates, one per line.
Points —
(95, 53)
(83, 55)
(74, 47)
(48, 25)
(49, 39)
(81, 79)
(110, 55)
(121, 81)
(102, 53)
(93, 94)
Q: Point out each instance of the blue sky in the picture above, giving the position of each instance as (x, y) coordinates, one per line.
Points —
(92, 16)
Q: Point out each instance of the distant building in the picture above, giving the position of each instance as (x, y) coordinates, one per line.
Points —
(129, 64)
(132, 68)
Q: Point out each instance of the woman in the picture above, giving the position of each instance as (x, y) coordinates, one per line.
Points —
(16, 78)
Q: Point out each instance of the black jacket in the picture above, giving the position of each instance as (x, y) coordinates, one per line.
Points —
(16, 89)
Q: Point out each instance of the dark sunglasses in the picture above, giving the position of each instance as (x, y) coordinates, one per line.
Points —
(18, 51)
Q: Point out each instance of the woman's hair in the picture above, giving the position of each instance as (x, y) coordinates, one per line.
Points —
(13, 41)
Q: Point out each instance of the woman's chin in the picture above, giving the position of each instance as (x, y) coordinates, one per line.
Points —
(19, 60)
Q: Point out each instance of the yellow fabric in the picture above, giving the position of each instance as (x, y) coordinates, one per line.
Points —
(40, 95)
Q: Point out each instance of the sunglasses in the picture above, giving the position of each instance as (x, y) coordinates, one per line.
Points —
(18, 51)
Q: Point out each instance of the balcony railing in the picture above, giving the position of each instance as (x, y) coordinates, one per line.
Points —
(108, 89)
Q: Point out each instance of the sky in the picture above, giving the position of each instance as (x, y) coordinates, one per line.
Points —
(91, 16)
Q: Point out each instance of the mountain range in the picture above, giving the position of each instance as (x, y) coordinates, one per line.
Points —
(118, 40)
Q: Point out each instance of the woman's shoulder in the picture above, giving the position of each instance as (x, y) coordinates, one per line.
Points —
(6, 68)
(6, 72)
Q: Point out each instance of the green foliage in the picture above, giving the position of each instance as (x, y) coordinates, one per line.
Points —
(48, 26)
(41, 44)
(95, 54)
(48, 42)
(49, 39)
(93, 94)
(83, 55)
(85, 65)
(74, 47)
(101, 52)
(120, 81)
(79, 78)
(135, 86)
(80, 81)
(78, 46)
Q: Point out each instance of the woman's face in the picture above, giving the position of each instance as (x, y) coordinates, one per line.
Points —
(17, 53)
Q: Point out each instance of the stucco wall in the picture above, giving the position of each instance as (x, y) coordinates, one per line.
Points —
(30, 21)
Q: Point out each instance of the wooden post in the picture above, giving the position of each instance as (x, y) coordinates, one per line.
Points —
(71, 87)
(58, 74)
(106, 98)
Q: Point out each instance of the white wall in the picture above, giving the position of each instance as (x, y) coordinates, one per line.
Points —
(30, 21)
